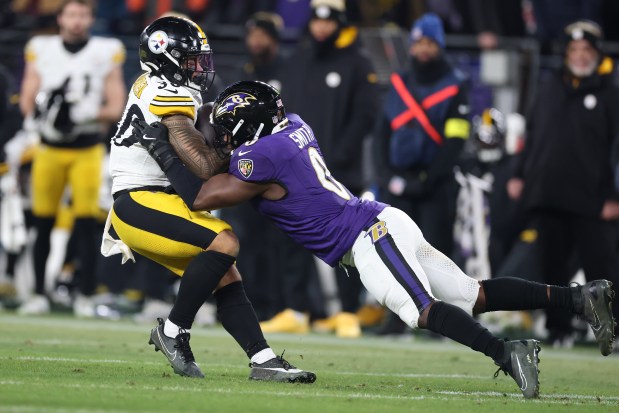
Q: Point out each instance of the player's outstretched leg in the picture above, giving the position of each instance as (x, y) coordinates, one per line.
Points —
(521, 363)
(177, 351)
(593, 302)
(278, 369)
(519, 359)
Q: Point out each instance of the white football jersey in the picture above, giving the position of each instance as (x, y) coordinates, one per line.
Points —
(84, 71)
(150, 98)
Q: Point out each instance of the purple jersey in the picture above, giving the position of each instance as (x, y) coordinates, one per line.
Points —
(318, 212)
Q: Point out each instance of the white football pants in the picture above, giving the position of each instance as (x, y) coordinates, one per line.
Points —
(404, 272)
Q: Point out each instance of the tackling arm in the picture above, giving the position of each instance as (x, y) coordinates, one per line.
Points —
(218, 191)
(191, 147)
(225, 190)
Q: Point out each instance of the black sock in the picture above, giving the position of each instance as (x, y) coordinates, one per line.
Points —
(11, 262)
(199, 280)
(510, 293)
(44, 228)
(561, 297)
(239, 318)
(453, 322)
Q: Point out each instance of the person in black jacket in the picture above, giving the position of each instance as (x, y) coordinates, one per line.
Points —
(270, 256)
(563, 177)
(332, 85)
(420, 135)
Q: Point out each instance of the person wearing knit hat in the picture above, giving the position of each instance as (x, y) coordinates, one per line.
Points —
(262, 264)
(429, 26)
(262, 42)
(583, 48)
(563, 177)
(329, 10)
(419, 144)
(332, 85)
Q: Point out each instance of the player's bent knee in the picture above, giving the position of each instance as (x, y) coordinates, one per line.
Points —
(231, 276)
(225, 242)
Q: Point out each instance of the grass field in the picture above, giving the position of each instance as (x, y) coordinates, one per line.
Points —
(59, 364)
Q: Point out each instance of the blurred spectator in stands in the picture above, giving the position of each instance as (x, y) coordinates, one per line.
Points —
(73, 85)
(563, 176)
(493, 19)
(332, 85)
(420, 134)
(269, 256)
(487, 223)
(551, 17)
(264, 61)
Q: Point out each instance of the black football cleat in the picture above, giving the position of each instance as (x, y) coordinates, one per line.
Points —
(594, 301)
(177, 351)
(522, 358)
(278, 369)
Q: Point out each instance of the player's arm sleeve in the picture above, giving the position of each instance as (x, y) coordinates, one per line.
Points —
(456, 131)
(364, 90)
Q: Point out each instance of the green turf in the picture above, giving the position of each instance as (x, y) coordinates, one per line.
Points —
(59, 364)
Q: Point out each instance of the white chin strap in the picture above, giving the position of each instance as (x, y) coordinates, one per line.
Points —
(280, 126)
(237, 127)
(258, 131)
(169, 56)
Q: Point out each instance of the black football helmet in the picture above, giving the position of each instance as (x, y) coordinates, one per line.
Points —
(489, 135)
(246, 111)
(178, 49)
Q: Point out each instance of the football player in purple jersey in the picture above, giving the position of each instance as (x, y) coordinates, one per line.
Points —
(276, 164)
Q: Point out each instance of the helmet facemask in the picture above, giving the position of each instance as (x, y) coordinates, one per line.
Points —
(198, 70)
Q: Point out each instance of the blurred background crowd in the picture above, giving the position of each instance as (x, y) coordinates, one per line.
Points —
(493, 123)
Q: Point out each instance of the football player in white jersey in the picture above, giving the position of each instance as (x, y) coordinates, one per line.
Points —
(73, 86)
(152, 220)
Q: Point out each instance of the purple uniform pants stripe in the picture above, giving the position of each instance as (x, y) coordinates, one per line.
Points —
(394, 260)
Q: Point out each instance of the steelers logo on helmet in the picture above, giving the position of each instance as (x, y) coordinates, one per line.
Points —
(158, 42)
(234, 102)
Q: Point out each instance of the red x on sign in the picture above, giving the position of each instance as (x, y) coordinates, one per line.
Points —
(417, 112)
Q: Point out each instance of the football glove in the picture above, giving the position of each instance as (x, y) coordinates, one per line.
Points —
(154, 138)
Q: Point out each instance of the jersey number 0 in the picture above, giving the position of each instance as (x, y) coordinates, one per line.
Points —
(324, 176)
